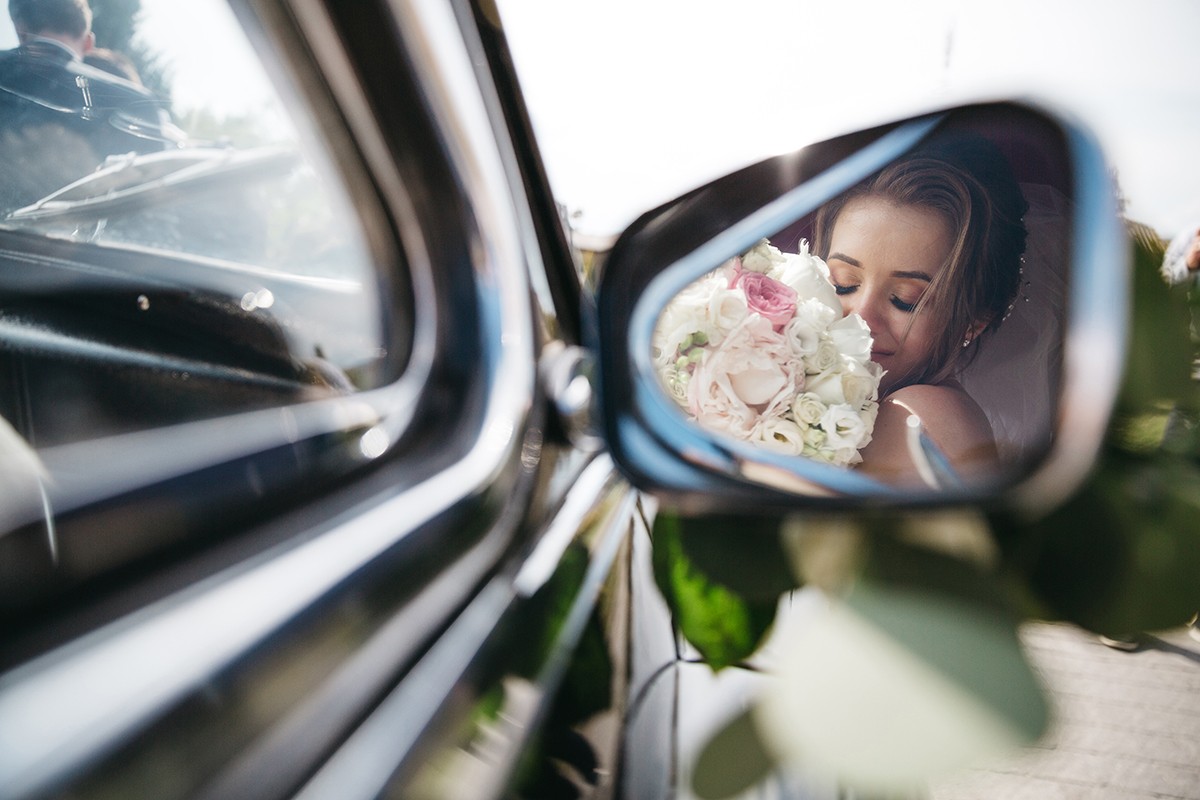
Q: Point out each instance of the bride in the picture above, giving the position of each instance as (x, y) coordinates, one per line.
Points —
(928, 252)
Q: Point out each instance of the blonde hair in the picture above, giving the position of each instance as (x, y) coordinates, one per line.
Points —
(968, 184)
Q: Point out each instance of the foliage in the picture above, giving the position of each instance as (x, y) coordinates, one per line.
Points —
(1123, 554)
(242, 131)
(115, 23)
(723, 606)
(910, 666)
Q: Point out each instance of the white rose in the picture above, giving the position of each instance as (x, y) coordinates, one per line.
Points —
(810, 320)
(860, 383)
(827, 387)
(825, 358)
(763, 257)
(676, 383)
(809, 276)
(750, 374)
(714, 404)
(779, 434)
(843, 427)
(807, 408)
(852, 337)
(684, 316)
(814, 442)
(726, 310)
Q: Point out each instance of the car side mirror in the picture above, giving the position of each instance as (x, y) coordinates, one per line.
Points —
(979, 249)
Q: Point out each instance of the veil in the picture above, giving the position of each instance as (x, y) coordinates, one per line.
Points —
(1016, 375)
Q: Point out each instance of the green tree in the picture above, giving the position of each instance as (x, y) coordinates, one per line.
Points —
(116, 25)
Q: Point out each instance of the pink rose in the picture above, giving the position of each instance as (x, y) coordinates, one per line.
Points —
(750, 375)
(768, 297)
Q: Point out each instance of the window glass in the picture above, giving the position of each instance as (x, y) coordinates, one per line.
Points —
(182, 273)
(171, 246)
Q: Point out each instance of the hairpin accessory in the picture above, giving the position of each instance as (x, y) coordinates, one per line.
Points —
(1022, 292)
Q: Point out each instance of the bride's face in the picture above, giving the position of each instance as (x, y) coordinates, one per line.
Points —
(882, 257)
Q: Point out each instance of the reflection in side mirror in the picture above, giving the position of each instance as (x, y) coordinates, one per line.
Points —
(761, 350)
(886, 314)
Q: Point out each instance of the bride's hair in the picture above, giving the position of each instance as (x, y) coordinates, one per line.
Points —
(968, 183)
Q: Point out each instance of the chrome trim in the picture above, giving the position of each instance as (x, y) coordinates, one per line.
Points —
(568, 377)
(65, 709)
(338, 72)
(1096, 339)
(364, 765)
(554, 541)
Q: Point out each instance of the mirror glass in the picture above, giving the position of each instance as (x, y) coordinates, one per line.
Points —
(908, 326)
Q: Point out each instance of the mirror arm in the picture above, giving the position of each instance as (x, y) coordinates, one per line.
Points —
(932, 465)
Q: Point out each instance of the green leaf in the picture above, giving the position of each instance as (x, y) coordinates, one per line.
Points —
(724, 625)
(741, 552)
(1158, 365)
(732, 761)
(1123, 555)
(902, 682)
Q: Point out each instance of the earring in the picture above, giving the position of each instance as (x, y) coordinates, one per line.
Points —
(966, 342)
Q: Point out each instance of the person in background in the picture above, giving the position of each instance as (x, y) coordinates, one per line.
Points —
(113, 63)
(1181, 264)
(61, 118)
(1182, 259)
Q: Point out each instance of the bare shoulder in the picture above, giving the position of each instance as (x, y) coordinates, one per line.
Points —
(945, 409)
(954, 421)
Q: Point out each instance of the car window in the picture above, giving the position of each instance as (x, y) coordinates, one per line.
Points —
(178, 207)
(185, 283)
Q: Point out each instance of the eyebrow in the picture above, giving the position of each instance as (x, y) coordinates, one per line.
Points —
(914, 274)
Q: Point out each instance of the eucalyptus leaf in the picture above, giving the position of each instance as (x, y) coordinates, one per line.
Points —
(734, 760)
(1124, 554)
(739, 551)
(895, 686)
(723, 624)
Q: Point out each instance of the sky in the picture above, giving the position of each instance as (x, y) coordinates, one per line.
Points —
(637, 101)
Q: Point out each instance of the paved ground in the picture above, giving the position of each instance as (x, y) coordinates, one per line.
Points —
(1127, 724)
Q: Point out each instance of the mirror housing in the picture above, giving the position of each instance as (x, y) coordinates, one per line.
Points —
(664, 452)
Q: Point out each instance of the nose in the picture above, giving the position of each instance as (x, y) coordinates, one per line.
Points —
(866, 303)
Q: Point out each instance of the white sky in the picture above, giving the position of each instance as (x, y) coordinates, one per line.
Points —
(637, 101)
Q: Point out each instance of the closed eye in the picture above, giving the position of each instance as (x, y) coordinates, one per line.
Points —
(907, 308)
(844, 288)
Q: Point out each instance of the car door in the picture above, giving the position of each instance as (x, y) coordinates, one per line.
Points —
(295, 500)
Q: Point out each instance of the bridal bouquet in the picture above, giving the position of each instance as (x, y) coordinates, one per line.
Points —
(759, 349)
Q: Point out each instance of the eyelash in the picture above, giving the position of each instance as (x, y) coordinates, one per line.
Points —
(907, 308)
